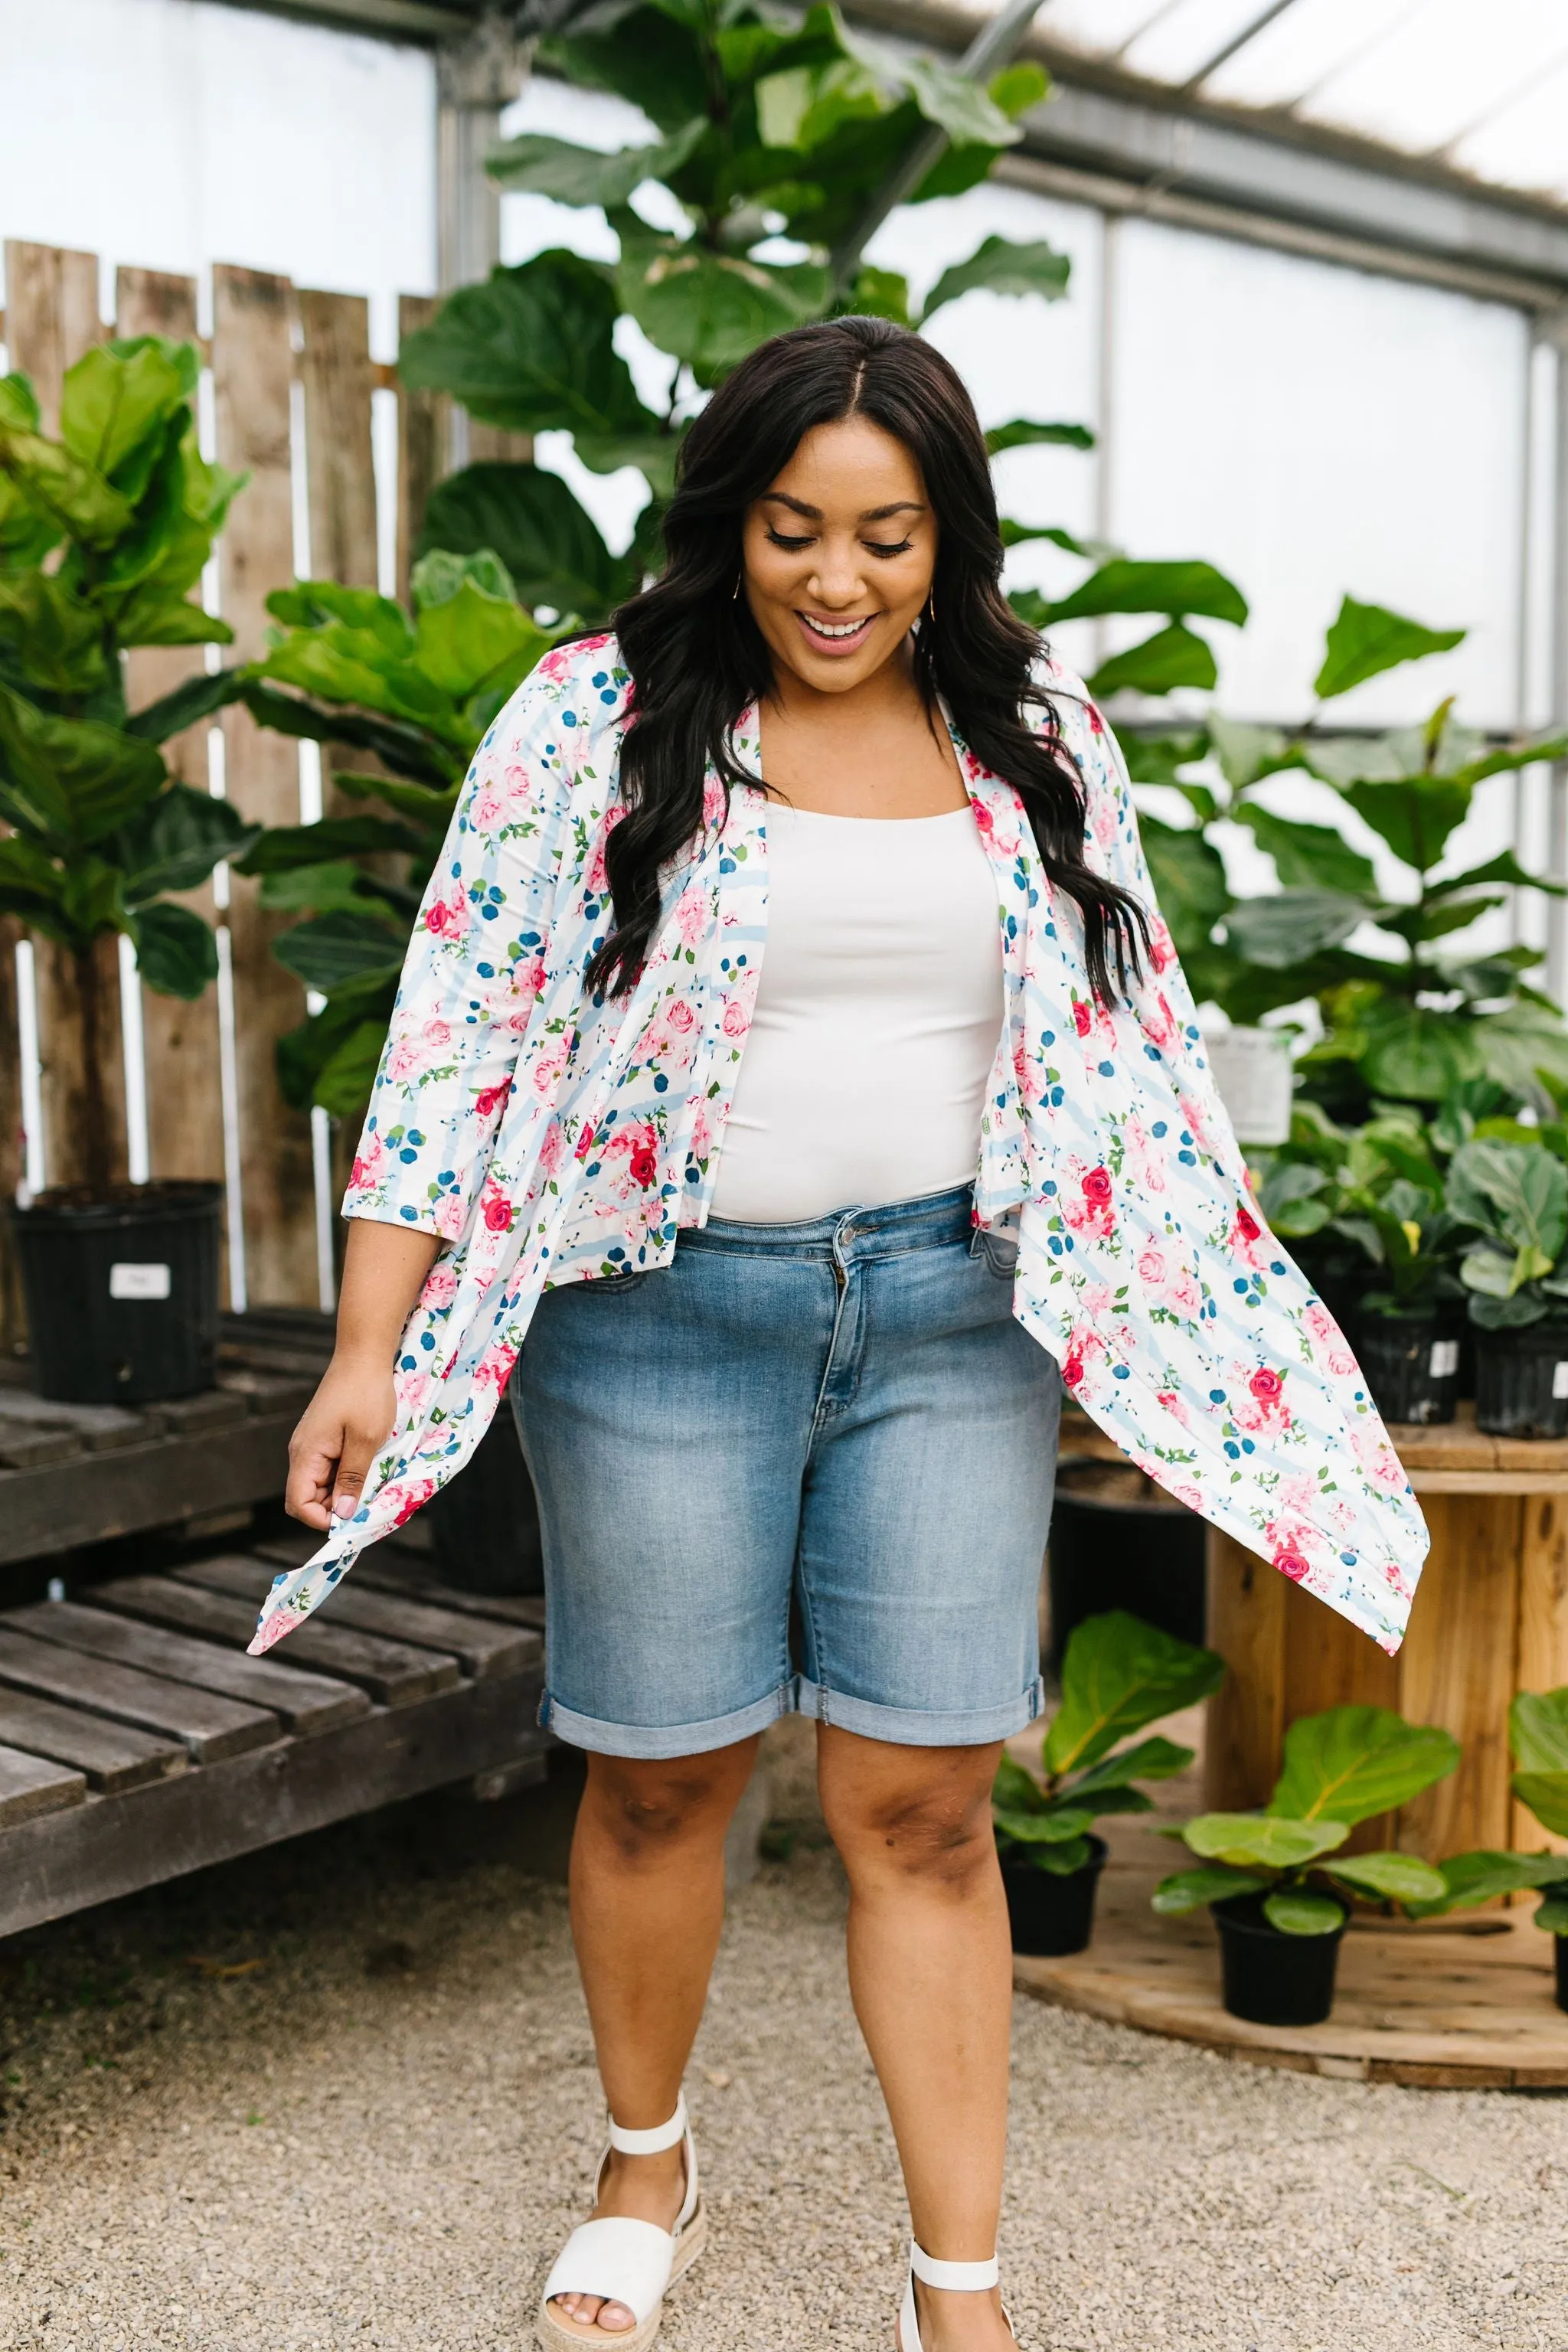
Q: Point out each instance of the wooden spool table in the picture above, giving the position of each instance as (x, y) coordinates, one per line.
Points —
(1460, 2002)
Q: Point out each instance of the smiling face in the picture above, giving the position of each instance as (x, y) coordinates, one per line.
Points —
(838, 554)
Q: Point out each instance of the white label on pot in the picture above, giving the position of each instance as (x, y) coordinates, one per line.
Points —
(1252, 1070)
(1444, 1361)
(152, 1282)
(1559, 1380)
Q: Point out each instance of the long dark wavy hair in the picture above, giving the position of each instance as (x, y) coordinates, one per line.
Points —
(697, 659)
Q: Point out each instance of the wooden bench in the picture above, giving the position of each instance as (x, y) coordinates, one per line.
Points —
(138, 1741)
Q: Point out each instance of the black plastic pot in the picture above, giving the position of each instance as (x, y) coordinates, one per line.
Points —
(1560, 1947)
(122, 1294)
(1272, 1979)
(1412, 1366)
(484, 1525)
(1117, 1541)
(1049, 1915)
(1522, 1381)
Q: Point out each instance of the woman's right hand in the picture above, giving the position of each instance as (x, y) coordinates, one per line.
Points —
(340, 1434)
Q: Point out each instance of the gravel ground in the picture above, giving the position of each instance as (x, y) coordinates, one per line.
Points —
(343, 2095)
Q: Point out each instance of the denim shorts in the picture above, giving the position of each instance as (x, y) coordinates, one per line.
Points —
(842, 1416)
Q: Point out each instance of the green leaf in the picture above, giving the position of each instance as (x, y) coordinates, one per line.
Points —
(1015, 1788)
(1248, 753)
(1023, 434)
(1188, 875)
(1351, 1762)
(1552, 1915)
(343, 1087)
(708, 308)
(339, 947)
(1546, 1794)
(1396, 1877)
(114, 405)
(583, 175)
(1119, 1674)
(1515, 1194)
(1481, 1877)
(351, 665)
(1149, 1760)
(73, 495)
(283, 847)
(880, 294)
(1188, 1890)
(1043, 1828)
(56, 640)
(332, 885)
(1002, 267)
(1415, 1053)
(1297, 1913)
(69, 781)
(173, 842)
(1538, 1731)
(1262, 1838)
(1057, 1861)
(651, 55)
(407, 751)
(474, 643)
(1172, 657)
(1366, 639)
(549, 543)
(1279, 931)
(154, 616)
(1414, 815)
(186, 706)
(1504, 868)
(176, 953)
(530, 349)
(1308, 857)
(1124, 586)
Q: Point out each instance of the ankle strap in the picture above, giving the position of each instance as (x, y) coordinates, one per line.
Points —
(957, 2278)
(654, 2142)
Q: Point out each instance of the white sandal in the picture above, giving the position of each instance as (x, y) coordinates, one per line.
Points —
(624, 2261)
(955, 2278)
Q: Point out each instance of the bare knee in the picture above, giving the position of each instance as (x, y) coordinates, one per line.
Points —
(649, 1808)
(928, 1823)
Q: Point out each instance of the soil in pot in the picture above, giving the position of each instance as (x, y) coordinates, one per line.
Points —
(1522, 1381)
(1052, 1915)
(121, 1291)
(1412, 1366)
(484, 1525)
(1272, 1979)
(1117, 1541)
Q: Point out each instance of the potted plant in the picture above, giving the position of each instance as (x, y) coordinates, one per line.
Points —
(1538, 1735)
(104, 532)
(1118, 1674)
(1279, 1901)
(1512, 1198)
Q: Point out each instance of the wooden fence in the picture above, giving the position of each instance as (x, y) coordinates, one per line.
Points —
(202, 1075)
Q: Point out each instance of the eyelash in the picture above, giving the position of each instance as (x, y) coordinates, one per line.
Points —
(793, 546)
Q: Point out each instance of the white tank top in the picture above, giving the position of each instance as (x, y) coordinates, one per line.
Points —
(877, 1019)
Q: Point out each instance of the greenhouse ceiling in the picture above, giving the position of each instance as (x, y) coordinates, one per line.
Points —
(1424, 135)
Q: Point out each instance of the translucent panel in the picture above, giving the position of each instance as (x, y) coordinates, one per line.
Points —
(1316, 430)
(1181, 41)
(1405, 88)
(1288, 59)
(1100, 26)
(1524, 144)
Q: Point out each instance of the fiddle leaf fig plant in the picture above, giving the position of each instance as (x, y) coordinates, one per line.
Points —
(105, 528)
(1513, 1198)
(1118, 1675)
(1342, 1767)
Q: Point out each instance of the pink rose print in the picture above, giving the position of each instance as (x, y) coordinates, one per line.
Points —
(1082, 1018)
(1291, 1564)
(702, 1137)
(497, 1210)
(1267, 1386)
(1093, 1212)
(488, 810)
(549, 1065)
(737, 1018)
(447, 919)
(489, 1100)
(403, 1059)
(692, 916)
(448, 1213)
(680, 1017)
(551, 1149)
(596, 879)
(440, 1287)
(405, 1498)
(1151, 1268)
(366, 1170)
(1162, 949)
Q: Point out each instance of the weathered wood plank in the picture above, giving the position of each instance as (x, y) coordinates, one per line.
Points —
(26, 1445)
(98, 1428)
(340, 467)
(114, 1756)
(180, 1040)
(51, 318)
(423, 437)
(31, 1785)
(210, 1727)
(167, 1483)
(482, 1650)
(49, 1869)
(252, 374)
(196, 1416)
(389, 1569)
(1457, 1669)
(1246, 1721)
(305, 1703)
(393, 1673)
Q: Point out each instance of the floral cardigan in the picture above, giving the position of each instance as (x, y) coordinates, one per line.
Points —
(545, 1138)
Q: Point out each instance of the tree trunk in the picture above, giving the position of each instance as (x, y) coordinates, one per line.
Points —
(95, 1134)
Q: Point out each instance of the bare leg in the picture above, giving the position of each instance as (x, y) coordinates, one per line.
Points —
(647, 1903)
(932, 1976)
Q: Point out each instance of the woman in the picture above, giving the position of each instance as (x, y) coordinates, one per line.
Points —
(789, 1326)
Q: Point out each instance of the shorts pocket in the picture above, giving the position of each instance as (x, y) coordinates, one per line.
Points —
(1000, 1251)
(610, 1286)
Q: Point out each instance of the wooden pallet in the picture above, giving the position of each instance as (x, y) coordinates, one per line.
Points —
(138, 1741)
(73, 1474)
(1462, 2003)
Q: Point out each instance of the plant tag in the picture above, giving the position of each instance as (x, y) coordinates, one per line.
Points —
(152, 1282)
(1444, 1361)
(1254, 1074)
(1559, 1380)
